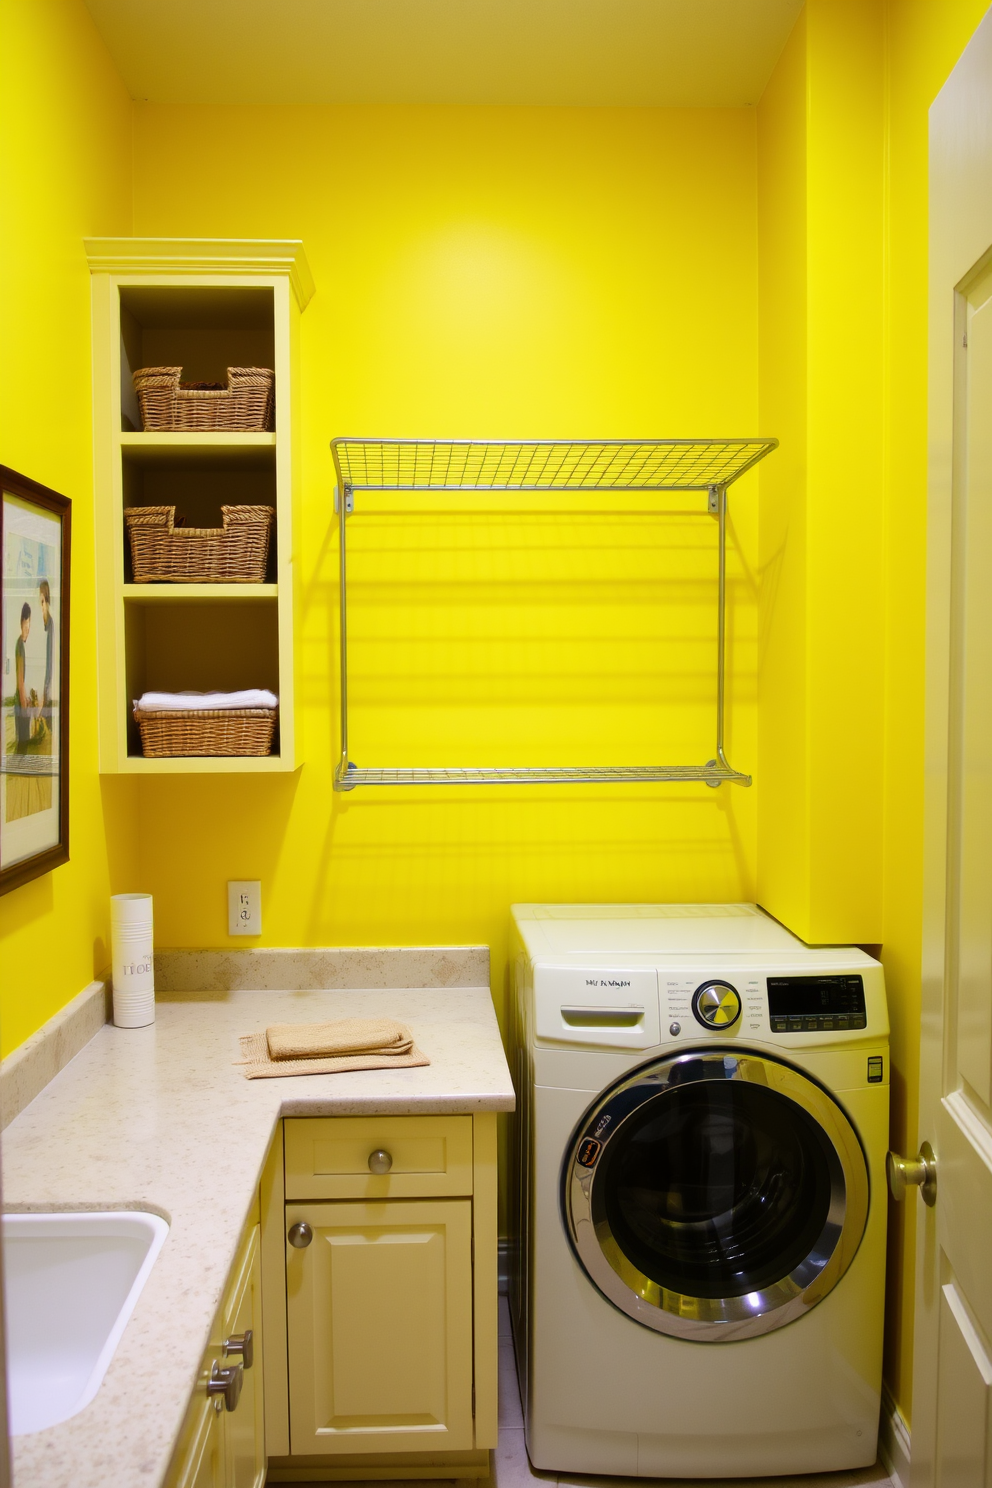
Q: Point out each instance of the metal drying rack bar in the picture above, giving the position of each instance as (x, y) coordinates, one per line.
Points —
(543, 465)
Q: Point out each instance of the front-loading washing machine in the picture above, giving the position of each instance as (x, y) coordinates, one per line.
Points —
(697, 1251)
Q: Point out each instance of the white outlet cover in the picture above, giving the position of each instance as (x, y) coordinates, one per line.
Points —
(244, 906)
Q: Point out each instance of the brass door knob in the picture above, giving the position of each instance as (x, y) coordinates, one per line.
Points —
(225, 1384)
(300, 1235)
(380, 1161)
(913, 1172)
(243, 1344)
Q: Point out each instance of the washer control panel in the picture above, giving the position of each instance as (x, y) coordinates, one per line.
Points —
(634, 1008)
(807, 1004)
(716, 1005)
(728, 1005)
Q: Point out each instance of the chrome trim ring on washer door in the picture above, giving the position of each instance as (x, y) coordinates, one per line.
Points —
(715, 1195)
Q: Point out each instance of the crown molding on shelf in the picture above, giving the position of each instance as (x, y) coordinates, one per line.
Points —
(204, 256)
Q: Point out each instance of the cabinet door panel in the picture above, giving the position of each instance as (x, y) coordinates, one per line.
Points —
(380, 1327)
(245, 1426)
(202, 1465)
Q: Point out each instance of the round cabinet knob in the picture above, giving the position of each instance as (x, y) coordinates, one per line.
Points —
(380, 1161)
(300, 1235)
(716, 1005)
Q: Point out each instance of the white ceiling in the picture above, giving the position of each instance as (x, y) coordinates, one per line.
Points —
(681, 53)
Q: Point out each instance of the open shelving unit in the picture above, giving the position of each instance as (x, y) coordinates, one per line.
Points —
(204, 305)
(608, 467)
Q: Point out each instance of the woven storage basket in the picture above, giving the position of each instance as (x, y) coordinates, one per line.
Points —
(237, 553)
(230, 731)
(246, 404)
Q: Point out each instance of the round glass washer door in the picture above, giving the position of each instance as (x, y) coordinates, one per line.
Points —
(715, 1195)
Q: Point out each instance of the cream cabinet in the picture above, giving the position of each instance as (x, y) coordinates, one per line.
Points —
(380, 1274)
(203, 305)
(222, 1444)
(372, 1261)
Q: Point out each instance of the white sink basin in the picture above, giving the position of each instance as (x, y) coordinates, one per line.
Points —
(71, 1282)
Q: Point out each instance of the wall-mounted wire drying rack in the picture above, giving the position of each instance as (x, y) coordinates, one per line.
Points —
(607, 466)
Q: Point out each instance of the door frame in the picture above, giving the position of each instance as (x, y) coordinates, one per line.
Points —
(960, 183)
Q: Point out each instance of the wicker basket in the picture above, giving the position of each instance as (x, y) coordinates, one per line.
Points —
(237, 553)
(247, 402)
(230, 731)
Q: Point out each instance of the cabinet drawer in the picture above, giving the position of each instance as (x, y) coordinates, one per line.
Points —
(327, 1157)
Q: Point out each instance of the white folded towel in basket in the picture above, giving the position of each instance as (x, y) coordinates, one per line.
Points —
(197, 702)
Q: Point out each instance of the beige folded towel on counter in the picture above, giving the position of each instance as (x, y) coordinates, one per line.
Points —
(326, 1048)
(343, 1036)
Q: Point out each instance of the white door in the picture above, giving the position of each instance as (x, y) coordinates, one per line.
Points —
(952, 1391)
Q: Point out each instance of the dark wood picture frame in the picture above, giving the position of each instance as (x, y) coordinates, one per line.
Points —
(52, 504)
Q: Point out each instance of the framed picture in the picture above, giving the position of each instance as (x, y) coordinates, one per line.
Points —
(34, 614)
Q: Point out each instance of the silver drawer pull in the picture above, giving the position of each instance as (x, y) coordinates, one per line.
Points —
(225, 1384)
(243, 1344)
(380, 1161)
(602, 1017)
(300, 1235)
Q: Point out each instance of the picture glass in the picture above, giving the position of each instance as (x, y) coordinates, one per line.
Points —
(31, 756)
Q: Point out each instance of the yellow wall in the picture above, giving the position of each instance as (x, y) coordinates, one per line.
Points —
(483, 272)
(65, 168)
(524, 272)
(842, 169)
(783, 347)
(820, 250)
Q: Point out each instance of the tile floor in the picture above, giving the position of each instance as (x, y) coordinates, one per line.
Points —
(512, 1469)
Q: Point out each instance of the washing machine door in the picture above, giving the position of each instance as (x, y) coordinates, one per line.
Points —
(715, 1195)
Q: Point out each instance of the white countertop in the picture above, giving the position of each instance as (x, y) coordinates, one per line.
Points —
(161, 1118)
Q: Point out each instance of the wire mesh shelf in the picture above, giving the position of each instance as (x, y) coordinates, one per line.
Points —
(578, 465)
(544, 464)
(710, 774)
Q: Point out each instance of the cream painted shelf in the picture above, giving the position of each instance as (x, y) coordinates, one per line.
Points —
(170, 593)
(204, 305)
(189, 449)
(136, 764)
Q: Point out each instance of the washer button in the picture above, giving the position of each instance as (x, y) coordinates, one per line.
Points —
(675, 1029)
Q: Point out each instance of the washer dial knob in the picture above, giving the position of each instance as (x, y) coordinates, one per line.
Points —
(716, 1005)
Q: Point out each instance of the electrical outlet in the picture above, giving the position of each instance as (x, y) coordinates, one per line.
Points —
(244, 907)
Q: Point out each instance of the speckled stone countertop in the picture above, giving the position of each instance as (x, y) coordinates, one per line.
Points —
(161, 1118)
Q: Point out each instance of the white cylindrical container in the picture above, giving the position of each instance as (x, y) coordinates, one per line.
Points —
(133, 960)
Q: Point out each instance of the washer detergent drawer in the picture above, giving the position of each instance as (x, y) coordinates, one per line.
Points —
(598, 1007)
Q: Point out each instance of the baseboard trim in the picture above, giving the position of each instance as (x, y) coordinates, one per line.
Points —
(311, 1475)
(894, 1440)
(382, 1467)
(25, 1072)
